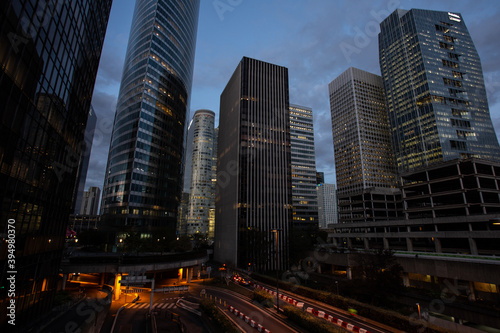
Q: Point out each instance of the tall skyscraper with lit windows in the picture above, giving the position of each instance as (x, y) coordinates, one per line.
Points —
(434, 85)
(304, 196)
(201, 195)
(143, 181)
(253, 202)
(364, 162)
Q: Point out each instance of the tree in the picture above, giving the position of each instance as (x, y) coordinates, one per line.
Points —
(378, 273)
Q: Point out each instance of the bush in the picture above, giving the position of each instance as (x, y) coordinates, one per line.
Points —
(220, 321)
(263, 298)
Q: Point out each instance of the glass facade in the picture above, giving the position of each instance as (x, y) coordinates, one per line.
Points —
(143, 181)
(49, 55)
(435, 90)
(254, 186)
(202, 191)
(303, 157)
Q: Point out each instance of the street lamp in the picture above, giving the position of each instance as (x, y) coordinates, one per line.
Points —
(277, 270)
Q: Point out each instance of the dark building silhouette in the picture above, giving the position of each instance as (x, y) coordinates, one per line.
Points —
(254, 191)
(84, 160)
(49, 55)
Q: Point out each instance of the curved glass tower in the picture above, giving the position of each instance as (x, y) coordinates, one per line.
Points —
(435, 91)
(143, 181)
(202, 191)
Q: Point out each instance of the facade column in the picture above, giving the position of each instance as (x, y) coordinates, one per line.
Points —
(437, 244)
(473, 246)
(64, 278)
(367, 243)
(189, 274)
(349, 242)
(406, 280)
(179, 274)
(409, 244)
(349, 273)
(117, 285)
(101, 283)
(386, 244)
(472, 292)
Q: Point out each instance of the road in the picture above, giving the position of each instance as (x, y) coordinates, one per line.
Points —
(368, 325)
(256, 313)
(133, 318)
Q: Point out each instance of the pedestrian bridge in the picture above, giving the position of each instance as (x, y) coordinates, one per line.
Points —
(119, 263)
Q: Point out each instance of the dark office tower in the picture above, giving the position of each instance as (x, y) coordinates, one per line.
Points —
(304, 196)
(364, 164)
(143, 182)
(49, 55)
(254, 191)
(84, 160)
(435, 91)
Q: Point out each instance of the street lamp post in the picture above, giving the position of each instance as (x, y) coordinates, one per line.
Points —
(277, 270)
(337, 283)
(418, 307)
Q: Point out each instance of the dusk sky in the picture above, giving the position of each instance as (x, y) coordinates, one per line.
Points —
(316, 40)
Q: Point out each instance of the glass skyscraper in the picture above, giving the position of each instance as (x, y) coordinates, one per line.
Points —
(143, 181)
(49, 56)
(435, 91)
(304, 198)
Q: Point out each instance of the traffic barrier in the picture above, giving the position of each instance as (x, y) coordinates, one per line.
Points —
(320, 314)
(247, 319)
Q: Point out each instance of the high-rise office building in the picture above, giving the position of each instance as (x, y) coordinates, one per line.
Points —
(201, 194)
(304, 197)
(85, 159)
(49, 56)
(361, 137)
(327, 205)
(435, 91)
(364, 162)
(254, 190)
(143, 181)
(211, 219)
(90, 201)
